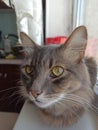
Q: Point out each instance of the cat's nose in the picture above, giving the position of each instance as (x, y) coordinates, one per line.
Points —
(35, 93)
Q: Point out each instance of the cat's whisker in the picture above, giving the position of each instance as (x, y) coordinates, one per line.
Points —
(7, 94)
(8, 89)
(15, 99)
(14, 93)
(77, 103)
(80, 101)
(84, 103)
(6, 97)
(73, 101)
(65, 105)
(65, 98)
(20, 98)
(81, 98)
(68, 107)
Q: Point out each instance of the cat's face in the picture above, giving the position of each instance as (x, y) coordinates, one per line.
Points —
(44, 75)
(50, 73)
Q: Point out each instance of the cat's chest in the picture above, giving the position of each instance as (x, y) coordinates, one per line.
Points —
(30, 119)
(87, 122)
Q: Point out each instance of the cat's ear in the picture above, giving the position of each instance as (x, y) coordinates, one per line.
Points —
(26, 40)
(26, 48)
(74, 47)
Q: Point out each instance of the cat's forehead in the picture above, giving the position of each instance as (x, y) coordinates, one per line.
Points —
(43, 53)
(49, 48)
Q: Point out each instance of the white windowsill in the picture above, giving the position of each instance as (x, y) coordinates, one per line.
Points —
(12, 61)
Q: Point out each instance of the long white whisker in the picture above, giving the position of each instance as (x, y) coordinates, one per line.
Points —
(68, 107)
(81, 98)
(83, 102)
(4, 90)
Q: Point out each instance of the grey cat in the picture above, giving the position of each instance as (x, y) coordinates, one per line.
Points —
(59, 79)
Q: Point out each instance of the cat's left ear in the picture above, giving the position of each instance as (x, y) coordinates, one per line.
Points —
(74, 47)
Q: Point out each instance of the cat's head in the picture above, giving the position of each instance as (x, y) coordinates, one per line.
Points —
(50, 73)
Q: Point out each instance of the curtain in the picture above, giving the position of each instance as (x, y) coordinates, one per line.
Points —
(29, 15)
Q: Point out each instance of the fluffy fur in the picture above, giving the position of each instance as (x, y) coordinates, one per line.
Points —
(61, 100)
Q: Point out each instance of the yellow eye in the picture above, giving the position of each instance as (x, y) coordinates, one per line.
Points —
(57, 71)
(28, 69)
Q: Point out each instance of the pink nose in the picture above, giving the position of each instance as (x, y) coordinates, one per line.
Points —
(35, 93)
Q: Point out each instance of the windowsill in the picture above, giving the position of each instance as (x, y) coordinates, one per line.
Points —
(29, 116)
(12, 61)
(7, 11)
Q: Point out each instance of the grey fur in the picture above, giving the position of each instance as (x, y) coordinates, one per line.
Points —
(78, 78)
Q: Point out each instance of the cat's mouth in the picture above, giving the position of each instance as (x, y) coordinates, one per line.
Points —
(44, 102)
(40, 103)
(36, 101)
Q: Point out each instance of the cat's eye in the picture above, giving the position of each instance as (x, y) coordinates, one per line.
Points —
(57, 71)
(29, 69)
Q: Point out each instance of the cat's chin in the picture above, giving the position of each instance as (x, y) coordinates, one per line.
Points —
(39, 103)
(42, 104)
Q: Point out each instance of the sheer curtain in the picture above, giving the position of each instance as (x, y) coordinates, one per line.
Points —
(91, 21)
(29, 15)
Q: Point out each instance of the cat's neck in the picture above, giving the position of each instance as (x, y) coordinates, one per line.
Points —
(64, 118)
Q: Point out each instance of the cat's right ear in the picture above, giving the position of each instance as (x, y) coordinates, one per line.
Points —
(28, 44)
(26, 47)
(26, 40)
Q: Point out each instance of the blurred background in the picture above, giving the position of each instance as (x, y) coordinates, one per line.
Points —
(46, 22)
